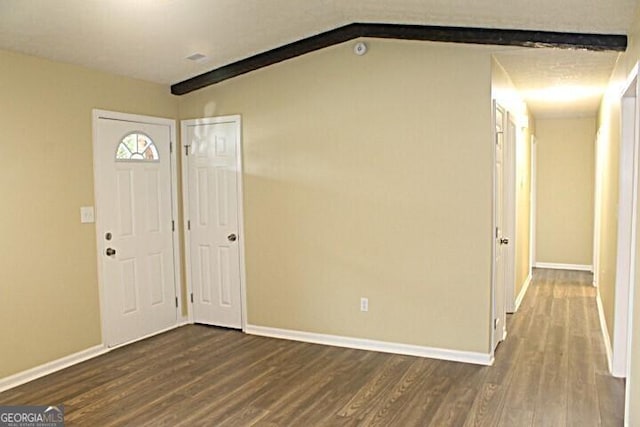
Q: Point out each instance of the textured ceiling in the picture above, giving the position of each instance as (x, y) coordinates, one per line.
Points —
(150, 39)
(555, 82)
(586, 16)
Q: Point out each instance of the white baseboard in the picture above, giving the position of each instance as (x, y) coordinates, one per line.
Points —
(556, 266)
(372, 345)
(523, 291)
(605, 331)
(51, 367)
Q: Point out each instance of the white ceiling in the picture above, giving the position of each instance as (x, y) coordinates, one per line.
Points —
(559, 82)
(150, 39)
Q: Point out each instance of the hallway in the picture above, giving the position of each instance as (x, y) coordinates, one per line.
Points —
(556, 343)
(551, 370)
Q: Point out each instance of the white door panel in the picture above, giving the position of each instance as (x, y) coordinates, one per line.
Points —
(499, 303)
(212, 175)
(509, 211)
(134, 207)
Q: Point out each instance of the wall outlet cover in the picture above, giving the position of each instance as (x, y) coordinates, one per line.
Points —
(87, 215)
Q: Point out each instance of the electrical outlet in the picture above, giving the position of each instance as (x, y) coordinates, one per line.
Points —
(364, 304)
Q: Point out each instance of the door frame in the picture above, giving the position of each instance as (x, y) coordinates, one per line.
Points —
(509, 216)
(533, 208)
(627, 224)
(493, 315)
(597, 208)
(237, 119)
(100, 244)
(511, 219)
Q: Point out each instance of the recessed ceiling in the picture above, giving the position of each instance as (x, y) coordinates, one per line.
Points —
(151, 39)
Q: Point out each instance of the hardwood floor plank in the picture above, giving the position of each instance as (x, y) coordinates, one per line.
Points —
(381, 414)
(378, 386)
(525, 384)
(582, 401)
(317, 401)
(457, 403)
(516, 418)
(423, 405)
(610, 393)
(487, 406)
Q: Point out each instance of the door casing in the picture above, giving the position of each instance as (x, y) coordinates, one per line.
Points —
(184, 124)
(626, 268)
(510, 217)
(495, 292)
(99, 226)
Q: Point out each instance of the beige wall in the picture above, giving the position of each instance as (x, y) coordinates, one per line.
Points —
(565, 190)
(608, 152)
(48, 291)
(609, 128)
(504, 92)
(523, 206)
(367, 176)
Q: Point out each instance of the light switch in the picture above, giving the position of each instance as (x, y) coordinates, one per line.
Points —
(87, 215)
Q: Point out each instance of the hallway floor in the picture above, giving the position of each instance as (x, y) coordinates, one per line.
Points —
(551, 370)
(555, 340)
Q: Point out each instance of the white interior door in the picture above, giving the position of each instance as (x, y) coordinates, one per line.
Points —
(499, 309)
(135, 227)
(212, 164)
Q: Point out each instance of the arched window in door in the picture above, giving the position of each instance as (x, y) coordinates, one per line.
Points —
(137, 146)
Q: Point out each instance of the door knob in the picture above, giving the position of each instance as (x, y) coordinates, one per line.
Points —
(232, 237)
(504, 241)
(110, 252)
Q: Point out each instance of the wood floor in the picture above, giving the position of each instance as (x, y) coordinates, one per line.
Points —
(551, 371)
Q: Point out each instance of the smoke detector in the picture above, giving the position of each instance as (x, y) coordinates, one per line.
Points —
(360, 48)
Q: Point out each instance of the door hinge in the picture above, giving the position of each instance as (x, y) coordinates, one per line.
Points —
(173, 225)
(192, 298)
(189, 224)
(495, 323)
(186, 150)
(171, 147)
(497, 232)
(176, 302)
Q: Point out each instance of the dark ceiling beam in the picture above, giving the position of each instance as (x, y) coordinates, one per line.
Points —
(486, 36)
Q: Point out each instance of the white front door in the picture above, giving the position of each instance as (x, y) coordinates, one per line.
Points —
(212, 166)
(134, 227)
(499, 308)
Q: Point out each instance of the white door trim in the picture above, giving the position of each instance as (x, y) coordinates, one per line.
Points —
(185, 206)
(511, 143)
(597, 202)
(494, 277)
(533, 209)
(100, 242)
(627, 210)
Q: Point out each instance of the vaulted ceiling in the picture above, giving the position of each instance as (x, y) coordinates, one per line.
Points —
(150, 39)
